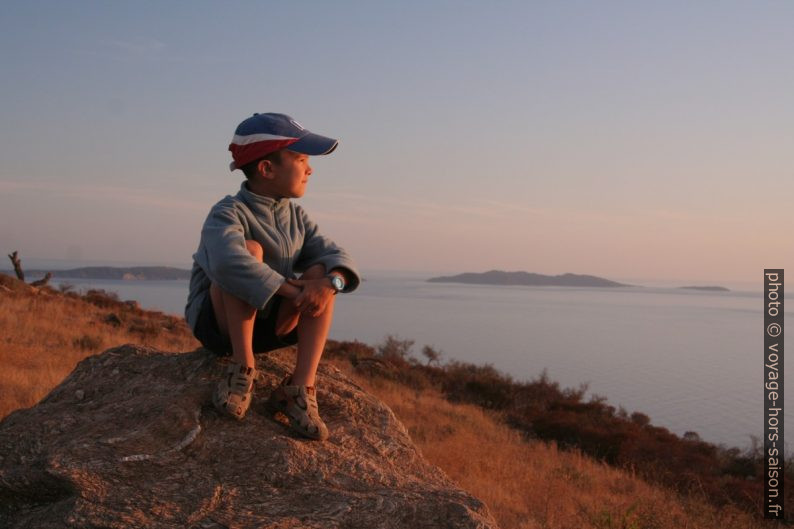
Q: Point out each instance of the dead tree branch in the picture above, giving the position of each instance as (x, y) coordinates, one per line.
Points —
(17, 265)
(43, 281)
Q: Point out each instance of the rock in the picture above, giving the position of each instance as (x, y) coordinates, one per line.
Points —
(146, 449)
(79, 394)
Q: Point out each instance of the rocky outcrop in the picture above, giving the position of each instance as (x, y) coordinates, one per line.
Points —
(129, 439)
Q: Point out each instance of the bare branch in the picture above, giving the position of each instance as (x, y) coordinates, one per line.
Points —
(43, 281)
(17, 265)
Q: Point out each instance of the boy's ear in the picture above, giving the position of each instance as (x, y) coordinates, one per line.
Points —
(264, 167)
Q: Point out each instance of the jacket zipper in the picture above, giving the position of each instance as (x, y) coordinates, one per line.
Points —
(282, 239)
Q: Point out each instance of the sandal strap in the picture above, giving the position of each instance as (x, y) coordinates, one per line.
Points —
(240, 379)
(299, 404)
(235, 389)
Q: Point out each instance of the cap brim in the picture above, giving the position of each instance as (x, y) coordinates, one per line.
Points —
(313, 145)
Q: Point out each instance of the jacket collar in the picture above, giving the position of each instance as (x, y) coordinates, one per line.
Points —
(260, 202)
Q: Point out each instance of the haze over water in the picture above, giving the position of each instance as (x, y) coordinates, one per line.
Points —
(691, 360)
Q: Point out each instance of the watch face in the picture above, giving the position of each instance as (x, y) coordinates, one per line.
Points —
(337, 282)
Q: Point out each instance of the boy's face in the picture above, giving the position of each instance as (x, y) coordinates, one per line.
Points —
(289, 178)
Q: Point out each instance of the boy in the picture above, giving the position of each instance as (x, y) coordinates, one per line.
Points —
(244, 296)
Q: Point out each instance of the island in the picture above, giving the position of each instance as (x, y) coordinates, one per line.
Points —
(499, 277)
(709, 289)
(137, 273)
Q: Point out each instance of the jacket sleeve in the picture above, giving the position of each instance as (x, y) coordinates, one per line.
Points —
(229, 264)
(318, 248)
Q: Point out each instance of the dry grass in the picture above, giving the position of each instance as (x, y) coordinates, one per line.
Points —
(43, 337)
(525, 484)
(533, 484)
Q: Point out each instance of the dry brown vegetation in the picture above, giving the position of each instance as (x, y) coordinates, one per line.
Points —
(525, 483)
(45, 333)
(535, 484)
(542, 410)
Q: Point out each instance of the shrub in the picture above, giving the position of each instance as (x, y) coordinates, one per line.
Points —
(350, 351)
(393, 348)
(148, 329)
(433, 356)
(87, 343)
(102, 298)
(640, 419)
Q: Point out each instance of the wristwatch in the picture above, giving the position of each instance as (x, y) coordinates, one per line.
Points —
(336, 282)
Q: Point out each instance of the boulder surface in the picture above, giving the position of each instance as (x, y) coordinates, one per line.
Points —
(130, 439)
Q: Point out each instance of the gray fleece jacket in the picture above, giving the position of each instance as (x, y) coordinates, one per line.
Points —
(291, 244)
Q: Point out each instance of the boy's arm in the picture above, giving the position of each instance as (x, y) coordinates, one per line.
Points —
(288, 290)
(320, 249)
(228, 263)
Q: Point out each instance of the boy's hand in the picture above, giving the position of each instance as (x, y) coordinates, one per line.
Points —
(314, 297)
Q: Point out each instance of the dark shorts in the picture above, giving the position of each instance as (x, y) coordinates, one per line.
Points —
(265, 339)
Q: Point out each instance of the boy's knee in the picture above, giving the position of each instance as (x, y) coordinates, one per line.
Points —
(255, 249)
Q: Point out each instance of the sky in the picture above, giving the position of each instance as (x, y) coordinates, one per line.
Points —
(628, 140)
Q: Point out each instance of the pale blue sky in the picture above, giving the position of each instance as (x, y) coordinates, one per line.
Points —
(622, 139)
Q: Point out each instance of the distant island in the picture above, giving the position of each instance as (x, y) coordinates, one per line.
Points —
(135, 273)
(710, 289)
(498, 277)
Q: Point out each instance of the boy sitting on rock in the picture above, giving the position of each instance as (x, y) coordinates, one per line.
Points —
(244, 295)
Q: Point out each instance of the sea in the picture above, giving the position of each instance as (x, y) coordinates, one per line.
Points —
(691, 360)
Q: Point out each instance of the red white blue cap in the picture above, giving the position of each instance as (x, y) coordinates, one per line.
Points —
(262, 134)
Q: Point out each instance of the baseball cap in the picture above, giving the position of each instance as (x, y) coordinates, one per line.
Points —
(262, 134)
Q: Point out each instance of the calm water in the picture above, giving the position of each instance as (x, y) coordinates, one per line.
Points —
(690, 360)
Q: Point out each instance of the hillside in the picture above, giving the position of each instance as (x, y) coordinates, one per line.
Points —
(525, 482)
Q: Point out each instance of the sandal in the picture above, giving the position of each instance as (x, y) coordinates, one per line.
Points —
(299, 405)
(233, 395)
